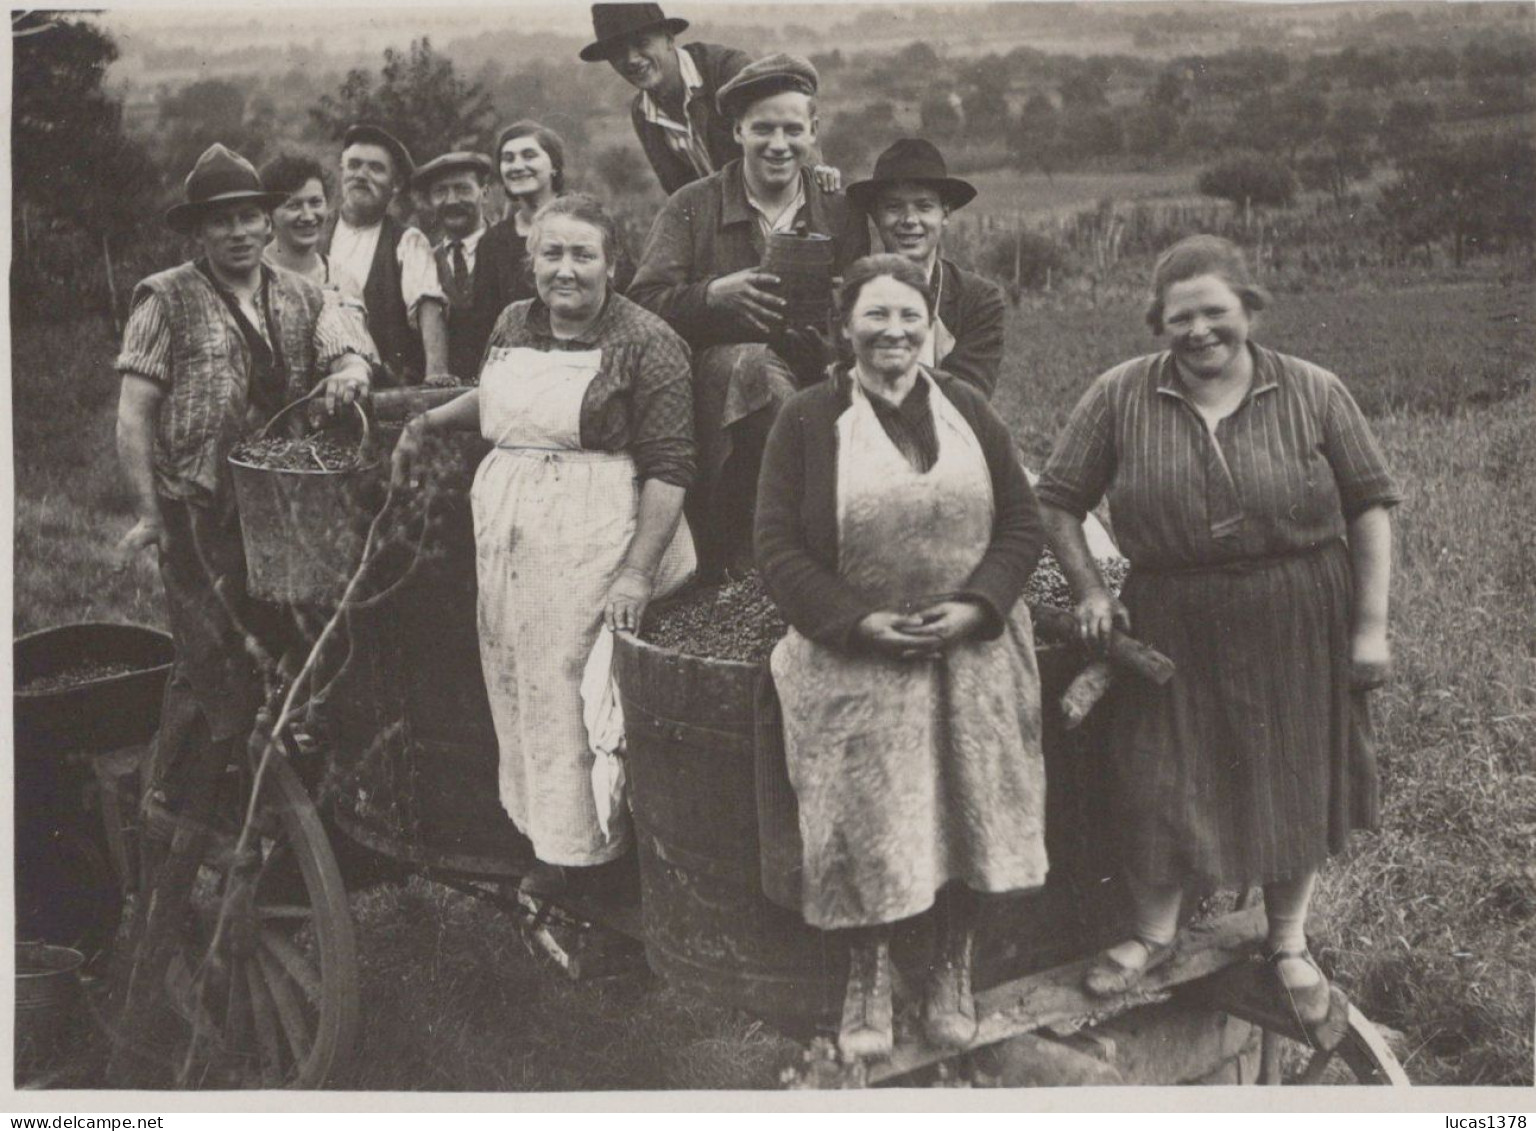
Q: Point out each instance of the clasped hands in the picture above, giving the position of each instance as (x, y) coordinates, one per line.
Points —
(920, 633)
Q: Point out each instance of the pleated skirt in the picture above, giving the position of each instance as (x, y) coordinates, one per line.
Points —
(1255, 762)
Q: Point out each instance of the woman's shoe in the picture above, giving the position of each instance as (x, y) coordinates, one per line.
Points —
(544, 880)
(1109, 977)
(865, 1033)
(949, 1007)
(1310, 1004)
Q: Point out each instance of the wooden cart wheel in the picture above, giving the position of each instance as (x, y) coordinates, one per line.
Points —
(267, 976)
(1361, 1056)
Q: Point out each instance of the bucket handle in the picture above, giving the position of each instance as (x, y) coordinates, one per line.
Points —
(309, 396)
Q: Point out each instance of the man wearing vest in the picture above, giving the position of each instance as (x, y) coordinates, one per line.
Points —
(700, 271)
(454, 184)
(212, 350)
(384, 264)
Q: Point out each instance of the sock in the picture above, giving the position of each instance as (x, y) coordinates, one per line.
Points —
(1156, 909)
(1285, 904)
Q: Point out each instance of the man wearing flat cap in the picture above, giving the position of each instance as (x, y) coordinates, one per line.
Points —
(454, 185)
(681, 130)
(700, 271)
(384, 264)
(212, 350)
(910, 197)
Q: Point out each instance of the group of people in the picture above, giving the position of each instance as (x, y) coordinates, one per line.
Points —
(676, 424)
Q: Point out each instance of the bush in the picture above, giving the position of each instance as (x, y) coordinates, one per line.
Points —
(1250, 179)
(1025, 258)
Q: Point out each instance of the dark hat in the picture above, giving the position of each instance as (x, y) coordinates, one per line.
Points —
(912, 159)
(452, 163)
(221, 176)
(614, 23)
(368, 134)
(772, 74)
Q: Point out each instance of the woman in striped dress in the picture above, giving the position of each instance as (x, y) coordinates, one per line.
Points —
(1248, 493)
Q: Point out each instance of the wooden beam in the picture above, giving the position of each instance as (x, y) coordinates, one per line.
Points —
(1055, 997)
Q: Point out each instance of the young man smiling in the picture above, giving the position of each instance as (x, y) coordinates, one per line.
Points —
(700, 271)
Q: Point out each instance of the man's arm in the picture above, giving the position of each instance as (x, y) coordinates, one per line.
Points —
(665, 282)
(425, 302)
(138, 408)
(978, 353)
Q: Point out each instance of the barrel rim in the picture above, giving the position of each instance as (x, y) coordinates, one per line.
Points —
(71, 960)
(159, 635)
(373, 465)
(640, 645)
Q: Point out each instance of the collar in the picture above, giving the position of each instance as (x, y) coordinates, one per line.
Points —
(1266, 376)
(470, 242)
(693, 82)
(268, 273)
(735, 208)
(791, 210)
(537, 322)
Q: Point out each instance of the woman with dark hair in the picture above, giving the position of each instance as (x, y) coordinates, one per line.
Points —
(896, 531)
(1248, 493)
(298, 222)
(588, 401)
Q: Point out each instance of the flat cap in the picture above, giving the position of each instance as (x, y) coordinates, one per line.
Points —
(454, 162)
(762, 78)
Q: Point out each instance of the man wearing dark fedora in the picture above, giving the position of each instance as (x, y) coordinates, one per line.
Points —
(910, 198)
(454, 186)
(681, 130)
(700, 271)
(213, 349)
(384, 264)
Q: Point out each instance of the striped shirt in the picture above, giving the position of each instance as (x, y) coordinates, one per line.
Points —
(685, 138)
(1283, 473)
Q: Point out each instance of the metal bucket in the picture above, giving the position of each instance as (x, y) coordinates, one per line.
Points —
(47, 996)
(803, 265)
(95, 715)
(303, 530)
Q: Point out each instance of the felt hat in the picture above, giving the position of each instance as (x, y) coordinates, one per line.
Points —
(369, 134)
(612, 24)
(221, 176)
(761, 78)
(911, 159)
(454, 162)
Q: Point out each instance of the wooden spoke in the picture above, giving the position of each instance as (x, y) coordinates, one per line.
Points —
(238, 1031)
(266, 1027)
(1313, 1073)
(294, 964)
(283, 911)
(289, 1011)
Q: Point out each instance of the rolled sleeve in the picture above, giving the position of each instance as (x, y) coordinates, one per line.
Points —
(418, 274)
(340, 329)
(146, 348)
(1082, 463)
(661, 423)
(1359, 467)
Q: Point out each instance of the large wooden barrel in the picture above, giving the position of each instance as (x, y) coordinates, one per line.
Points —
(709, 924)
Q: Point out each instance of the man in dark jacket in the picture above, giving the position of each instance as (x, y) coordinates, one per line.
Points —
(700, 271)
(684, 135)
(455, 185)
(910, 197)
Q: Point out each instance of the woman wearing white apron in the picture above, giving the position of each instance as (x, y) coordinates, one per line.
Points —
(577, 511)
(896, 531)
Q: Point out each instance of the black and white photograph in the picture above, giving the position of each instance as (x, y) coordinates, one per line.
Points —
(748, 547)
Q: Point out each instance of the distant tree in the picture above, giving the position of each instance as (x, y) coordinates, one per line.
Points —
(1428, 63)
(918, 57)
(1287, 121)
(1344, 156)
(939, 114)
(1034, 138)
(210, 110)
(417, 97)
(1407, 127)
(1151, 129)
(1249, 178)
(827, 61)
(1171, 90)
(1087, 133)
(1364, 69)
(1476, 194)
(985, 101)
(1084, 88)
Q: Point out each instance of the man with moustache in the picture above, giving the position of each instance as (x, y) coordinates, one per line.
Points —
(386, 265)
(700, 271)
(212, 350)
(454, 184)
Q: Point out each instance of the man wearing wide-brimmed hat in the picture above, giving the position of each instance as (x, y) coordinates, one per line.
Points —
(684, 135)
(454, 186)
(700, 271)
(212, 349)
(384, 264)
(910, 198)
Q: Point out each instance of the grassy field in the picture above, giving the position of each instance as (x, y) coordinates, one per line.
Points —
(1430, 923)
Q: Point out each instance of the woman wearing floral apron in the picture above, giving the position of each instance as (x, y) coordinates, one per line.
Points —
(577, 510)
(896, 531)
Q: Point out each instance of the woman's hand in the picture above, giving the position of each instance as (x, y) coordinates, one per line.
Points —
(950, 622)
(628, 596)
(407, 454)
(1370, 659)
(893, 634)
(1098, 615)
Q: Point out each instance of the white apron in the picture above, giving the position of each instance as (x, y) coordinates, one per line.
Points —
(552, 526)
(912, 773)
